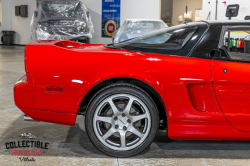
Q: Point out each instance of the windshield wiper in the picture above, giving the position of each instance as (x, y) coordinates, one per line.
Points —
(111, 45)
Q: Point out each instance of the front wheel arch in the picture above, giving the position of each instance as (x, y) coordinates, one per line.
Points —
(141, 84)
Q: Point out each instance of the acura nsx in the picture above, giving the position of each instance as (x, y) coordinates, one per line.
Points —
(186, 79)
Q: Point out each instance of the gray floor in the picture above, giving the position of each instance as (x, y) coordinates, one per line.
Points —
(71, 146)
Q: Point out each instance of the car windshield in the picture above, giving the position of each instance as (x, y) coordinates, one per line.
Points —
(143, 26)
(169, 38)
(62, 9)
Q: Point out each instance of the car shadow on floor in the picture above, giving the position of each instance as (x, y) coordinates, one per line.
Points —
(66, 141)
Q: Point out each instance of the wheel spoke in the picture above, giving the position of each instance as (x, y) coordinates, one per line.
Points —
(123, 139)
(108, 134)
(104, 119)
(138, 117)
(113, 106)
(136, 132)
(128, 106)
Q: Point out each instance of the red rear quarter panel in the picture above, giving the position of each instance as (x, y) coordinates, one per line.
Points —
(78, 68)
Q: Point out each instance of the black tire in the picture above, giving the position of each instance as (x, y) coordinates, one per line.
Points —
(121, 88)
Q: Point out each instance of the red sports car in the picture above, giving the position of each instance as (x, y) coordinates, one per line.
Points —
(188, 79)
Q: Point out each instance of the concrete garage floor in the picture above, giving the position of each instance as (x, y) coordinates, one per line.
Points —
(71, 146)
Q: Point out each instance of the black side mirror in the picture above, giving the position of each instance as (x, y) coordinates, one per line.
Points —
(224, 54)
(220, 53)
(35, 13)
(215, 54)
(247, 18)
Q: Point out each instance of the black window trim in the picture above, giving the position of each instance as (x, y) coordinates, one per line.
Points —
(197, 43)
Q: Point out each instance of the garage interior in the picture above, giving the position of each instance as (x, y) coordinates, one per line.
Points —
(70, 145)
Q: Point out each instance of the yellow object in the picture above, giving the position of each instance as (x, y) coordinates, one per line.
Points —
(238, 32)
(238, 44)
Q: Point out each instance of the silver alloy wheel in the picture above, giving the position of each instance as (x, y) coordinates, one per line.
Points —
(125, 128)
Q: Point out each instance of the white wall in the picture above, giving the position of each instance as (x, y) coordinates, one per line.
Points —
(95, 10)
(6, 16)
(244, 5)
(144, 9)
(129, 9)
(0, 11)
(21, 25)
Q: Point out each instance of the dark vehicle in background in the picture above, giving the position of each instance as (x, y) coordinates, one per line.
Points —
(62, 20)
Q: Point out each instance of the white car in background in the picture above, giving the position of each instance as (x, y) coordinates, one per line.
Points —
(132, 28)
(27, 136)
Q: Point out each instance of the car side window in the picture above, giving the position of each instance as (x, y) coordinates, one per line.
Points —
(236, 41)
(168, 39)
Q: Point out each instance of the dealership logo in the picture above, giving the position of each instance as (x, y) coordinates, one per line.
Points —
(110, 28)
(27, 148)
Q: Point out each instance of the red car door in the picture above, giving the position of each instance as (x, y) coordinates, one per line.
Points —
(231, 83)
